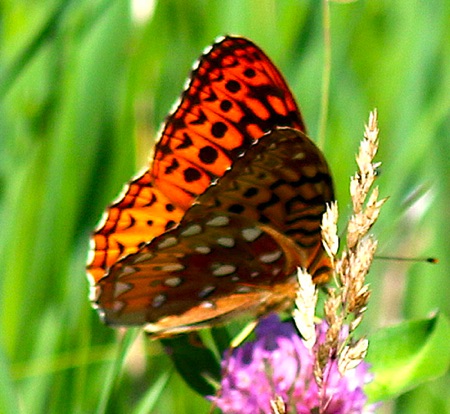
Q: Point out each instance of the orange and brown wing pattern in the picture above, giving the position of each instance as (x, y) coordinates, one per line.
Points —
(198, 274)
(141, 214)
(235, 250)
(235, 95)
(283, 182)
(229, 208)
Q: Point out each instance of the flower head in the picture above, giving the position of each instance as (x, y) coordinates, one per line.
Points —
(279, 365)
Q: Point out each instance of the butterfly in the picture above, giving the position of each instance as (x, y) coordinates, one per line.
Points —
(229, 207)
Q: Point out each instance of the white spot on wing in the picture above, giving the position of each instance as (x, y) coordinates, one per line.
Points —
(192, 230)
(91, 278)
(142, 257)
(168, 242)
(174, 107)
(243, 289)
(158, 300)
(121, 287)
(223, 269)
(202, 249)
(219, 221)
(172, 267)
(271, 257)
(207, 50)
(207, 305)
(250, 234)
(207, 290)
(126, 271)
(138, 176)
(118, 306)
(226, 241)
(276, 271)
(173, 281)
(91, 254)
(299, 156)
(103, 220)
(94, 293)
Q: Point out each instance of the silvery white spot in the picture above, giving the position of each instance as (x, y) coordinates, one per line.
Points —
(138, 175)
(101, 222)
(91, 253)
(202, 249)
(172, 267)
(208, 48)
(276, 271)
(226, 241)
(206, 291)
(219, 221)
(118, 306)
(120, 288)
(299, 156)
(101, 314)
(270, 257)
(250, 234)
(142, 257)
(168, 242)
(194, 67)
(207, 304)
(192, 230)
(121, 195)
(218, 39)
(94, 293)
(91, 278)
(126, 271)
(188, 81)
(173, 281)
(97, 308)
(234, 278)
(240, 155)
(158, 300)
(254, 274)
(223, 269)
(173, 108)
(243, 289)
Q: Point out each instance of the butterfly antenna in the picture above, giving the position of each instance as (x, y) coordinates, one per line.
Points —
(432, 260)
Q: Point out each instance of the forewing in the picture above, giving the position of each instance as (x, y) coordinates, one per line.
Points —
(234, 96)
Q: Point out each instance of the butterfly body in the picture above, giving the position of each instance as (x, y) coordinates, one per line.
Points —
(227, 211)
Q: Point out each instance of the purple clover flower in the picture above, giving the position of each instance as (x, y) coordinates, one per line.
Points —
(278, 363)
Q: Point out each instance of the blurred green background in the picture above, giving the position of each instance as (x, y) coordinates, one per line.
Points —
(84, 86)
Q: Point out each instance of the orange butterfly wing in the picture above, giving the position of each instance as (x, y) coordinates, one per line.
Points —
(230, 253)
(235, 95)
(142, 213)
